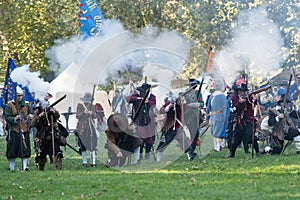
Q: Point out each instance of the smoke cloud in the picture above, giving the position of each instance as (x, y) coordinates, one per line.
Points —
(160, 56)
(23, 76)
(66, 51)
(256, 47)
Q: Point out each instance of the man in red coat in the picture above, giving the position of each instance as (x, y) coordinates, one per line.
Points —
(143, 116)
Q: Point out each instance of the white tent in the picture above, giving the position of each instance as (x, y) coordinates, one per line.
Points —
(66, 84)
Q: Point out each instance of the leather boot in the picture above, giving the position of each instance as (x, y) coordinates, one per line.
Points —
(41, 163)
(58, 161)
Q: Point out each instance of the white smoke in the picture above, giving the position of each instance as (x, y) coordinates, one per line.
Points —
(73, 50)
(161, 56)
(256, 47)
(23, 76)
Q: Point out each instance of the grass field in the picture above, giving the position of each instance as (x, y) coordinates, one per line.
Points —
(211, 176)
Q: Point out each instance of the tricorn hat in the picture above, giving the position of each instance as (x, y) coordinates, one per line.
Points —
(87, 97)
(117, 122)
(193, 81)
(144, 87)
(242, 87)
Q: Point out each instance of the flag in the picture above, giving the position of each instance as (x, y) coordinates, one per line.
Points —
(90, 19)
(7, 93)
(208, 66)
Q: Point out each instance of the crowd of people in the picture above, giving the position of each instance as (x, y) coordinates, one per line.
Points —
(236, 115)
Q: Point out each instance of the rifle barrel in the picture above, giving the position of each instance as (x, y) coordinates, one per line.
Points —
(58, 100)
(260, 90)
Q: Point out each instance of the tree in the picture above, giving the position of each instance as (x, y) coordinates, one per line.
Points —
(30, 27)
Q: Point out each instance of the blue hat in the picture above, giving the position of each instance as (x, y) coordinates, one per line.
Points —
(281, 91)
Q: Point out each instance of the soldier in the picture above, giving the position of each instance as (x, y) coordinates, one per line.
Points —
(192, 115)
(48, 138)
(86, 128)
(245, 121)
(144, 118)
(172, 128)
(17, 115)
(121, 141)
(217, 113)
(280, 120)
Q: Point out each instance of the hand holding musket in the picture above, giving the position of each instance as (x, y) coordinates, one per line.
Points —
(251, 96)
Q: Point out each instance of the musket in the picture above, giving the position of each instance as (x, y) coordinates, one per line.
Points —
(295, 77)
(140, 105)
(57, 101)
(287, 92)
(297, 89)
(51, 106)
(200, 87)
(284, 108)
(52, 125)
(187, 91)
(52, 134)
(142, 102)
(73, 148)
(254, 92)
(259, 90)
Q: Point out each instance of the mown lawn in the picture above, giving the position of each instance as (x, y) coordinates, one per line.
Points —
(209, 177)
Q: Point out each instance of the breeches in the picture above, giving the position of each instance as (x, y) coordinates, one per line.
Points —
(18, 147)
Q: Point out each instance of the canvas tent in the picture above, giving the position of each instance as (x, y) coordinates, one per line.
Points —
(66, 84)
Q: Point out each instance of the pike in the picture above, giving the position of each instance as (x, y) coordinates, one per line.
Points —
(284, 107)
(91, 121)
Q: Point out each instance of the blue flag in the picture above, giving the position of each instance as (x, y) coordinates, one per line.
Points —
(90, 19)
(8, 89)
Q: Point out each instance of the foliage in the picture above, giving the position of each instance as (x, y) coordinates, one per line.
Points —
(29, 27)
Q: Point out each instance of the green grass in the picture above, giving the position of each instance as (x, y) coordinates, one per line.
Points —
(209, 177)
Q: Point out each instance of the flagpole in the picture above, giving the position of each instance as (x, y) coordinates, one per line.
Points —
(6, 83)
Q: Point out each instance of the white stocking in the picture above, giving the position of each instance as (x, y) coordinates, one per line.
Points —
(83, 154)
(24, 163)
(136, 155)
(93, 158)
(12, 163)
(159, 156)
